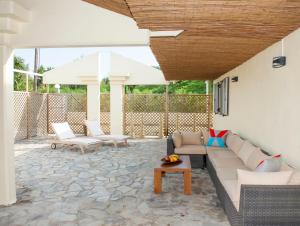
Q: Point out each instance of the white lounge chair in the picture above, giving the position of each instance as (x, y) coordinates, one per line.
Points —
(65, 136)
(96, 132)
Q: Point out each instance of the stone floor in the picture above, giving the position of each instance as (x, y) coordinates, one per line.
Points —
(109, 186)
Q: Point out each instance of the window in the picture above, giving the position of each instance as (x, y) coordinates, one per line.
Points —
(221, 97)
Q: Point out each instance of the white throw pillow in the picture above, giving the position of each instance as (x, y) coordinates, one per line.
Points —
(246, 151)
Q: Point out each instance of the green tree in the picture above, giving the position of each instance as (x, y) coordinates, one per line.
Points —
(105, 85)
(20, 78)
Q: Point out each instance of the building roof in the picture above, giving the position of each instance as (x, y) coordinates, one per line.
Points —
(91, 69)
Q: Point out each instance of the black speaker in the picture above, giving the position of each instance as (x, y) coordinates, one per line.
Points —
(279, 61)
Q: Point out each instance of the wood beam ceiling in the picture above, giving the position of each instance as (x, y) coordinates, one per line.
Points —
(218, 34)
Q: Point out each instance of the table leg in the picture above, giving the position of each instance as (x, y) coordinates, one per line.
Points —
(187, 175)
(157, 181)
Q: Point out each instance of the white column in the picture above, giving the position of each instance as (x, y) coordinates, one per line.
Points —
(93, 102)
(116, 106)
(207, 87)
(7, 167)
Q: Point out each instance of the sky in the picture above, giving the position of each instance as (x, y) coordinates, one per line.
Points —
(55, 57)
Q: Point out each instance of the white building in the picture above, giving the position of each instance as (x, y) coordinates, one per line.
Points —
(120, 70)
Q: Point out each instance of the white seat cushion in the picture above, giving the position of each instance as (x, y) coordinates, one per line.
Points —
(227, 162)
(231, 189)
(112, 137)
(228, 173)
(223, 154)
(82, 141)
(191, 149)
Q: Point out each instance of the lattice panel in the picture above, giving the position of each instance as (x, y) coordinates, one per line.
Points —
(188, 103)
(144, 103)
(37, 114)
(105, 112)
(57, 110)
(189, 112)
(144, 115)
(153, 124)
(69, 108)
(77, 112)
(20, 115)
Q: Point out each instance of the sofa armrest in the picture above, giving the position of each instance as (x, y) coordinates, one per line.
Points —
(270, 204)
(170, 145)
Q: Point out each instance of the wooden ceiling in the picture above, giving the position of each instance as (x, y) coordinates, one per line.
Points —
(218, 34)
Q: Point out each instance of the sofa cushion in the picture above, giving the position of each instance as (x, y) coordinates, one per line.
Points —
(231, 188)
(217, 138)
(205, 135)
(262, 178)
(256, 157)
(177, 139)
(191, 138)
(227, 163)
(234, 142)
(271, 164)
(222, 154)
(215, 149)
(191, 149)
(228, 173)
(246, 150)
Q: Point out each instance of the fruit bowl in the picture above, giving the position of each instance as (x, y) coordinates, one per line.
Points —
(171, 160)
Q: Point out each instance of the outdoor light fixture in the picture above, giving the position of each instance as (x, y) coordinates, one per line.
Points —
(279, 61)
(235, 79)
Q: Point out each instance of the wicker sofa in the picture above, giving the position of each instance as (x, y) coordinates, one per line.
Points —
(256, 205)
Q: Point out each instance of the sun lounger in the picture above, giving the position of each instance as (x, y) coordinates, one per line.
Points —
(65, 136)
(96, 132)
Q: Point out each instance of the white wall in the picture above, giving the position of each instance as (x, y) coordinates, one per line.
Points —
(264, 105)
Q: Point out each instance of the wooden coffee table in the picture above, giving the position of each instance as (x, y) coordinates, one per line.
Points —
(184, 167)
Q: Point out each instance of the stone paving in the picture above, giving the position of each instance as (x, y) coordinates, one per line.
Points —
(108, 186)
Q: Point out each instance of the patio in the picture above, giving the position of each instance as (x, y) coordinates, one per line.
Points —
(110, 186)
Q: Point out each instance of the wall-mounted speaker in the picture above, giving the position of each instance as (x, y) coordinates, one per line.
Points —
(235, 79)
(279, 61)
